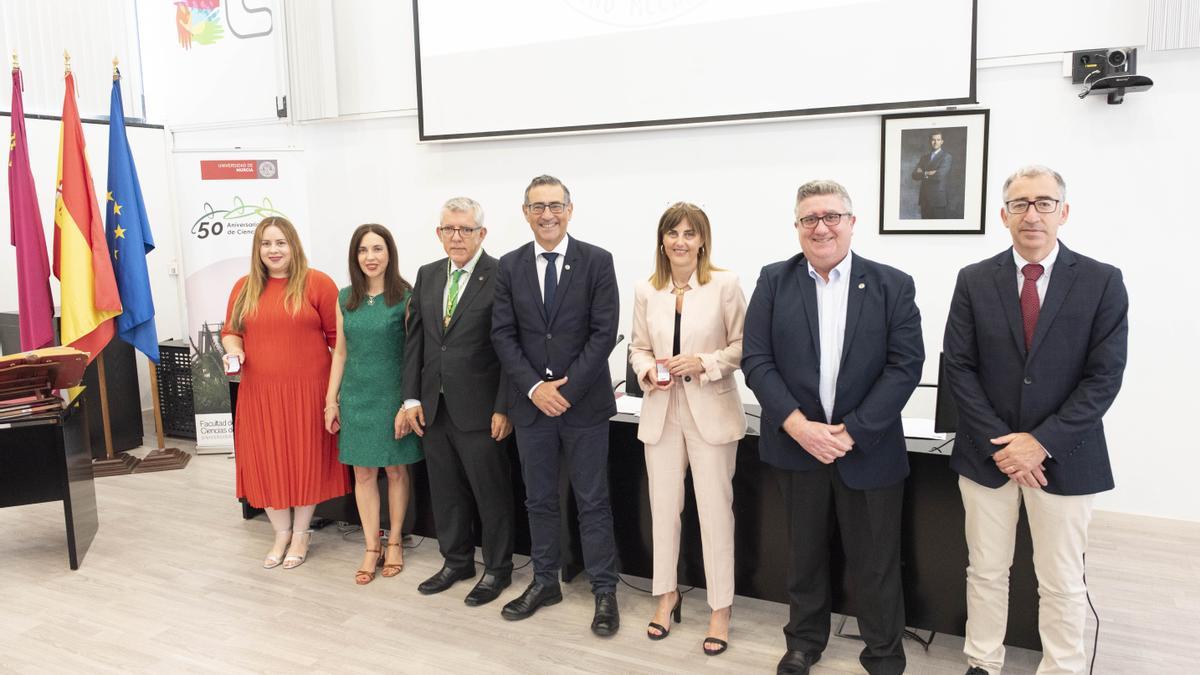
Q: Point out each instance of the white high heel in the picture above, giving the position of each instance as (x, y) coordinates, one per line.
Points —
(272, 561)
(291, 562)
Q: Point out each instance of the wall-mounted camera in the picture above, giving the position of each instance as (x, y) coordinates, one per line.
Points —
(1108, 71)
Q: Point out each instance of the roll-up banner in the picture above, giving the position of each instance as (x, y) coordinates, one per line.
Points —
(222, 196)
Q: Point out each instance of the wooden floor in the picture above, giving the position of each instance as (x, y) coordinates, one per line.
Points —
(173, 583)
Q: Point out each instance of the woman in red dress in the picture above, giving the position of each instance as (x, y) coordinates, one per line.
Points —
(280, 325)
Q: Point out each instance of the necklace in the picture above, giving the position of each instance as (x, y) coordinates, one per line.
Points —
(678, 290)
(371, 298)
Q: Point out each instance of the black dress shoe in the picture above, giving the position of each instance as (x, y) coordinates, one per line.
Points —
(976, 670)
(445, 578)
(797, 662)
(487, 590)
(535, 596)
(608, 617)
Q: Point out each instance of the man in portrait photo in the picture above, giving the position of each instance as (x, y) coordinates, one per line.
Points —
(933, 172)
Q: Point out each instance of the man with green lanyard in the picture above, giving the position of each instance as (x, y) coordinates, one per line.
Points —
(455, 399)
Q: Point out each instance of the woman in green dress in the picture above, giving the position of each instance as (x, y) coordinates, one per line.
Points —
(364, 405)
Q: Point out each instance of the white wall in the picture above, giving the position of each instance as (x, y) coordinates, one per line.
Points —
(1129, 170)
(150, 152)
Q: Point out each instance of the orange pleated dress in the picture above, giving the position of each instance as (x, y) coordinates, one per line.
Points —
(284, 456)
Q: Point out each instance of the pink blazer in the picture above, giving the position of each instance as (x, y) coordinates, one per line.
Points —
(711, 328)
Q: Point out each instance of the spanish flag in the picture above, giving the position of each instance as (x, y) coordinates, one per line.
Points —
(88, 292)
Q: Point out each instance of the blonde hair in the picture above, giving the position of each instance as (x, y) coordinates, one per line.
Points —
(256, 281)
(695, 216)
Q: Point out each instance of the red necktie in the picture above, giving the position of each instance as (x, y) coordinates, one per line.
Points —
(1029, 301)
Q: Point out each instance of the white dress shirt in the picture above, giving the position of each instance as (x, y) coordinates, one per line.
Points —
(832, 298)
(1043, 281)
(540, 261)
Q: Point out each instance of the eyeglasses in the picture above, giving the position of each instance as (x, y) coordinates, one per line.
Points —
(464, 232)
(538, 208)
(1019, 206)
(830, 220)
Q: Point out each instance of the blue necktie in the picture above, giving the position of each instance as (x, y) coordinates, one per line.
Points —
(551, 282)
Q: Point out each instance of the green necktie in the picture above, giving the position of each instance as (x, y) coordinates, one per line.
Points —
(452, 299)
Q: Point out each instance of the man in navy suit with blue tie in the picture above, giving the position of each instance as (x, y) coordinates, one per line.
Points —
(832, 349)
(1035, 351)
(554, 323)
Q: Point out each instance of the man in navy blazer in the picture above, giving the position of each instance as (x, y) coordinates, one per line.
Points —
(554, 323)
(832, 350)
(1034, 351)
(933, 170)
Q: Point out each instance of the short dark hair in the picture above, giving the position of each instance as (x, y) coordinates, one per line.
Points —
(546, 179)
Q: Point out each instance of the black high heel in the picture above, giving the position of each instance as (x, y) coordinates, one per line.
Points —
(676, 617)
(719, 645)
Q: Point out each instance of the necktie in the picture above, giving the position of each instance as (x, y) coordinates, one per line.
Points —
(1029, 301)
(550, 282)
(452, 298)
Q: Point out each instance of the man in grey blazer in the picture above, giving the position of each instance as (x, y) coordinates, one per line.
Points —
(1034, 350)
(456, 400)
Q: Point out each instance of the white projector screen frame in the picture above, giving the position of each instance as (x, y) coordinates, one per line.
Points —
(619, 64)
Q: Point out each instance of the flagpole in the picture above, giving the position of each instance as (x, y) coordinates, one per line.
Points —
(158, 421)
(105, 420)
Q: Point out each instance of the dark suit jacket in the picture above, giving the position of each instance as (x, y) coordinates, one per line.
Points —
(459, 360)
(933, 188)
(881, 365)
(1060, 390)
(575, 340)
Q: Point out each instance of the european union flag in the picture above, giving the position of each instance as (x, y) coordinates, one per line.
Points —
(129, 237)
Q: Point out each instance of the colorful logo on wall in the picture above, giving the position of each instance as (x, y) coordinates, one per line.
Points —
(198, 21)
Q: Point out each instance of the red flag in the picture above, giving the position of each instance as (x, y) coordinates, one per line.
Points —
(81, 263)
(36, 309)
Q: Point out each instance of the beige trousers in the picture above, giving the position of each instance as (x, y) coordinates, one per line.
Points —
(712, 477)
(1059, 529)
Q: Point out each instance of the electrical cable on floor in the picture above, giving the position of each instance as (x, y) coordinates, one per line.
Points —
(1096, 639)
(650, 592)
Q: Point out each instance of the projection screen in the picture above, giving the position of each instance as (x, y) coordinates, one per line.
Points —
(487, 68)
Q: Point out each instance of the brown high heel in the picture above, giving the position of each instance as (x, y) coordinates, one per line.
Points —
(391, 569)
(364, 577)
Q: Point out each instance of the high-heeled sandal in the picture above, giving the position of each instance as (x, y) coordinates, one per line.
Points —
(364, 577)
(676, 617)
(272, 561)
(291, 562)
(719, 645)
(392, 569)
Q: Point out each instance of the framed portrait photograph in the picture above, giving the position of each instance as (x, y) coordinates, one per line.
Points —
(933, 174)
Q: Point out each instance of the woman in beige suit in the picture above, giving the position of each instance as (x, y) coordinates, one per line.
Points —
(688, 317)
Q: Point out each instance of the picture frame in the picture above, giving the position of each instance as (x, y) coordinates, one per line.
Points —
(933, 172)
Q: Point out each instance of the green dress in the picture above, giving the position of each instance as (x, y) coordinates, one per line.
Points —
(370, 393)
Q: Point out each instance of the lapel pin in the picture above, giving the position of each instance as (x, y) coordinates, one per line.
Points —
(566, 267)
(481, 277)
(861, 285)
